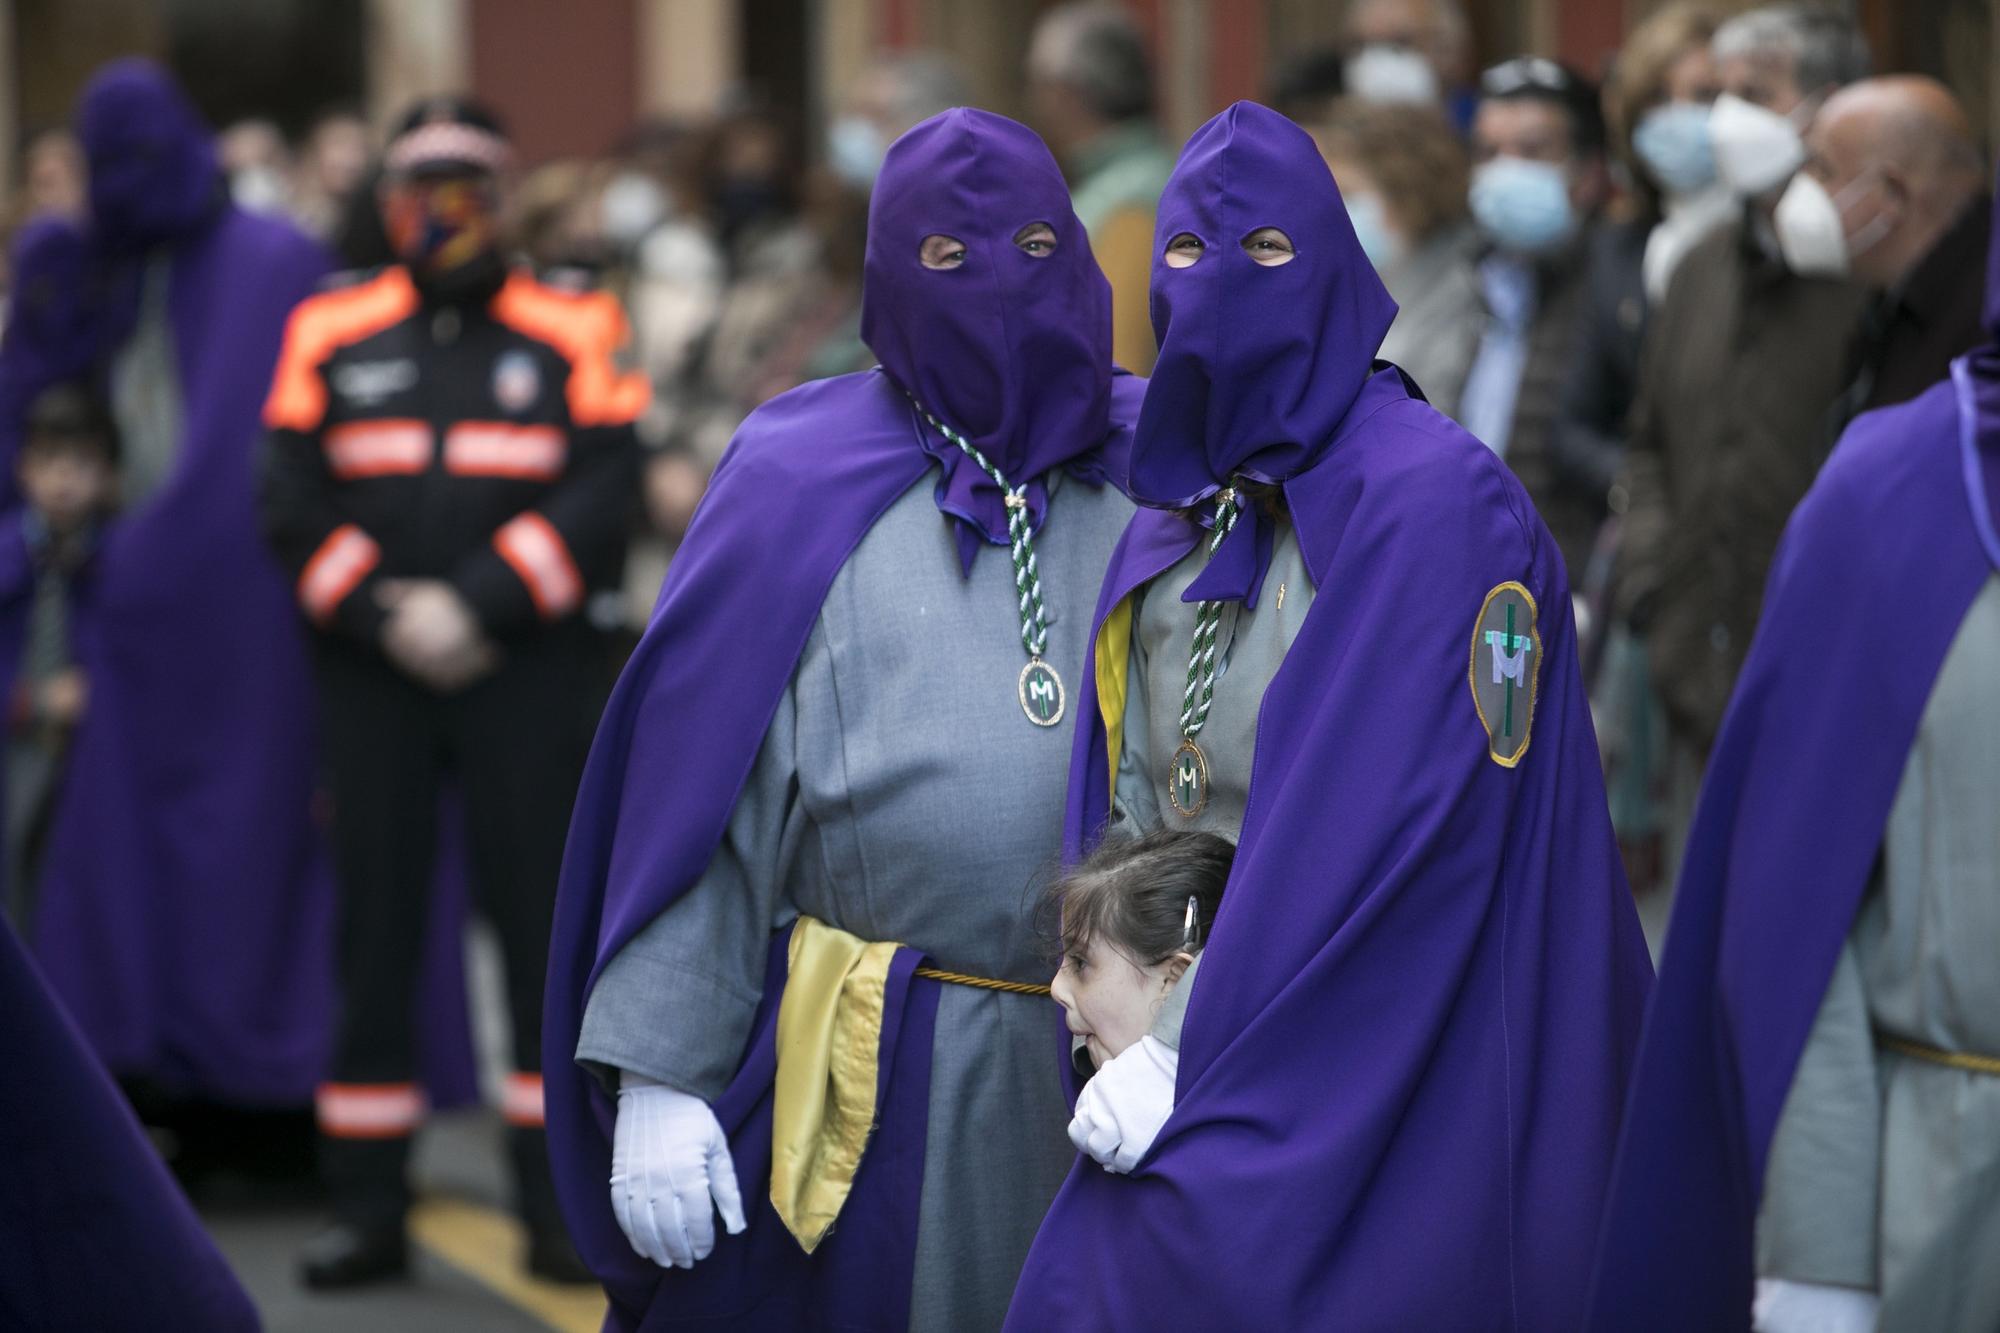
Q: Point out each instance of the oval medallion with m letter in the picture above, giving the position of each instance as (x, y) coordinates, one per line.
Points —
(1506, 670)
(1041, 691)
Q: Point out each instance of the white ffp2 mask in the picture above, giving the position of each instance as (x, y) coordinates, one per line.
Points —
(1755, 147)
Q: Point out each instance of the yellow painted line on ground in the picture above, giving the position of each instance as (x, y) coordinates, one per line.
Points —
(487, 1247)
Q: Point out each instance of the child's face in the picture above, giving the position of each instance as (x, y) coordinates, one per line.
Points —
(1109, 1000)
(66, 486)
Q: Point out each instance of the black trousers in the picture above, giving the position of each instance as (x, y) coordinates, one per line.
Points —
(515, 744)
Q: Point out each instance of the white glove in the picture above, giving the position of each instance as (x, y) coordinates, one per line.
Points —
(1121, 1109)
(668, 1158)
(1783, 1306)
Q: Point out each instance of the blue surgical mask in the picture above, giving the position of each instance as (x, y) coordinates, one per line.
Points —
(855, 149)
(1379, 240)
(1673, 142)
(1522, 206)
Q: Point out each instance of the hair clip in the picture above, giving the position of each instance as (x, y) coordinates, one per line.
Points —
(1187, 926)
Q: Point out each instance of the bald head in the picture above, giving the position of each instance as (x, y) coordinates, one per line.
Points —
(1898, 154)
(1905, 119)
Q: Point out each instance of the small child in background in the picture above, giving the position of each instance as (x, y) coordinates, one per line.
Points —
(67, 469)
(1134, 916)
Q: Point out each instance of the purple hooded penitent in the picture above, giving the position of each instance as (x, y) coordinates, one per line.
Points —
(185, 911)
(1012, 350)
(94, 1233)
(55, 326)
(1404, 1054)
(1900, 528)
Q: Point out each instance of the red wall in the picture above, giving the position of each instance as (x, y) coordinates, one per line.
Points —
(564, 76)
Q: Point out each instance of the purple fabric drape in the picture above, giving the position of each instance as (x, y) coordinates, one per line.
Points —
(93, 1231)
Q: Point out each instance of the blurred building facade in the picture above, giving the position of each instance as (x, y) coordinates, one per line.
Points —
(572, 77)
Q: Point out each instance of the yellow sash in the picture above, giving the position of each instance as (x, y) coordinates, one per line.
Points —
(829, 1043)
(1113, 664)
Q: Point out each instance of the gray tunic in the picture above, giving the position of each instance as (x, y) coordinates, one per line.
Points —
(1253, 645)
(901, 794)
(146, 393)
(1885, 1170)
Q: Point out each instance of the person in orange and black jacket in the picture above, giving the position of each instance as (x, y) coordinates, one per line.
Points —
(448, 475)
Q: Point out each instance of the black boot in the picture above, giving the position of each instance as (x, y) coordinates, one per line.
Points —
(367, 1241)
(346, 1255)
(553, 1259)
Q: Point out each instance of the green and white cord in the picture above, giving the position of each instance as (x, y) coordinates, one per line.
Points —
(1027, 577)
(1200, 692)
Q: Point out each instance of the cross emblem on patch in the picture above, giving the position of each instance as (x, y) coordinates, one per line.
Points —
(1504, 693)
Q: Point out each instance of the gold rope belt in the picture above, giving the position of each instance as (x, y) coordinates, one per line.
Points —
(1916, 1050)
(982, 983)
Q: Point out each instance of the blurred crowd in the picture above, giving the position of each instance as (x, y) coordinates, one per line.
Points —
(1659, 296)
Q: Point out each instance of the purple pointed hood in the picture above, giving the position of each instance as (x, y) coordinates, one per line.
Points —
(55, 318)
(1257, 365)
(153, 172)
(1012, 350)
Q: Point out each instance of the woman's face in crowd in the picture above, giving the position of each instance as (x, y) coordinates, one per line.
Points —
(1691, 78)
(1109, 1000)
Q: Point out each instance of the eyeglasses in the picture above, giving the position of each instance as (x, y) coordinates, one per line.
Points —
(1527, 74)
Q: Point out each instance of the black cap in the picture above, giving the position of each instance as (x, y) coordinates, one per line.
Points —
(1542, 79)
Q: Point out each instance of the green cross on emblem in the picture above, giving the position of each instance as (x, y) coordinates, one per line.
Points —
(1510, 664)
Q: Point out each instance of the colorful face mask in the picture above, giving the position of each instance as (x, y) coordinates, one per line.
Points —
(439, 225)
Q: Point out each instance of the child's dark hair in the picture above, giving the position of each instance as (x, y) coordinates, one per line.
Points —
(1133, 894)
(69, 416)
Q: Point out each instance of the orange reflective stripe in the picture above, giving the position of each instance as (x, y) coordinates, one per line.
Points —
(368, 1110)
(341, 562)
(377, 448)
(321, 325)
(536, 551)
(587, 329)
(500, 449)
(521, 1101)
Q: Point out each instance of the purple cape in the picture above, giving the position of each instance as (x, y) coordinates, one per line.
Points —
(1402, 1066)
(186, 902)
(1898, 530)
(93, 1231)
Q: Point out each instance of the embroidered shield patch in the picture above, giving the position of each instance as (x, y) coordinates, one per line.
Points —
(1506, 670)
